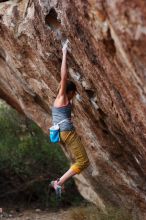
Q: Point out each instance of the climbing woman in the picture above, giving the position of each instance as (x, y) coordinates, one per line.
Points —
(61, 112)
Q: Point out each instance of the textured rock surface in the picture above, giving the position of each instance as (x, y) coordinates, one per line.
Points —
(108, 64)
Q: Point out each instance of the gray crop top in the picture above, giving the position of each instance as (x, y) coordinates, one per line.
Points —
(61, 113)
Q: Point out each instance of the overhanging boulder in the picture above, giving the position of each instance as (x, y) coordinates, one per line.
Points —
(107, 61)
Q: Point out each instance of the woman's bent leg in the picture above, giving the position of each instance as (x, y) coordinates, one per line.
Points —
(66, 176)
(80, 157)
(78, 154)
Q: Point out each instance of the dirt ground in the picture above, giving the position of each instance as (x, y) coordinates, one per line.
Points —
(38, 215)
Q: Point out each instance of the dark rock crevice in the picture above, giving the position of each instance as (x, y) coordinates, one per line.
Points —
(52, 21)
(4, 1)
(2, 54)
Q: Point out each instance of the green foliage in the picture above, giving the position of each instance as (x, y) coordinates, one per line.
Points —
(24, 147)
(25, 154)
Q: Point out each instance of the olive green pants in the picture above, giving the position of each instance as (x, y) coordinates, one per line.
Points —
(75, 149)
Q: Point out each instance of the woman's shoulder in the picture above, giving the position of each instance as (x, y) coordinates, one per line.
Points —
(61, 102)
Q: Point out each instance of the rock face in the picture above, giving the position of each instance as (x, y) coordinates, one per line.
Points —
(107, 61)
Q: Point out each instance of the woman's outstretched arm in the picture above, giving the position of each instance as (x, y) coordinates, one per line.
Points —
(64, 75)
(62, 98)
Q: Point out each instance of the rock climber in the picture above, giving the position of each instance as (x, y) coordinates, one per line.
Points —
(62, 110)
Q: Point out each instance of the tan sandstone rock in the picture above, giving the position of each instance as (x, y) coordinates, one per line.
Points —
(107, 61)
